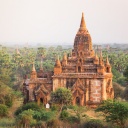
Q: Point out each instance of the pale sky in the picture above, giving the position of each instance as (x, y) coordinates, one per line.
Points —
(57, 21)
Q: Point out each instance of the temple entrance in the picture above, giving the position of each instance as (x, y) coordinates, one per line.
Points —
(107, 69)
(42, 100)
(78, 101)
(79, 69)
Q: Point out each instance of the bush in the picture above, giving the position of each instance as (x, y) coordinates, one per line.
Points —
(122, 80)
(125, 94)
(43, 115)
(93, 124)
(55, 107)
(53, 123)
(117, 90)
(64, 115)
(7, 123)
(32, 106)
(25, 118)
(73, 119)
(9, 100)
(64, 107)
(115, 112)
(3, 110)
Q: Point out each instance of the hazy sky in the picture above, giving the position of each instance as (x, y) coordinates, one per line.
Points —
(57, 21)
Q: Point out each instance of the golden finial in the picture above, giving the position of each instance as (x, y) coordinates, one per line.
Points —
(33, 67)
(82, 25)
(58, 61)
(96, 56)
(107, 61)
(41, 67)
(65, 56)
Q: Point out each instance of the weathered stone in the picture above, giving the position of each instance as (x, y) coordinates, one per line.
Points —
(83, 72)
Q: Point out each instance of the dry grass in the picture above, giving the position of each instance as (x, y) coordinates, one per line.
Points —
(17, 103)
(94, 115)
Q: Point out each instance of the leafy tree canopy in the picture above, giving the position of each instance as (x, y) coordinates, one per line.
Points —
(114, 111)
(61, 96)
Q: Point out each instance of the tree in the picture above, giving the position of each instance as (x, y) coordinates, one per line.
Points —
(6, 95)
(126, 73)
(25, 118)
(125, 94)
(3, 110)
(117, 90)
(61, 96)
(114, 111)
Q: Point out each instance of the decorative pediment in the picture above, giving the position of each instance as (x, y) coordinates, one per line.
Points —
(78, 87)
(40, 90)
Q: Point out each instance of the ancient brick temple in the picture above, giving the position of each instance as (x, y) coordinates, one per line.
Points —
(83, 72)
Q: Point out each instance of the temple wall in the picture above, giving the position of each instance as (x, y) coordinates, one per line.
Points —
(58, 82)
(55, 83)
(31, 96)
(95, 91)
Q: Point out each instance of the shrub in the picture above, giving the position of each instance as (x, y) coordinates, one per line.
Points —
(64, 115)
(25, 118)
(9, 100)
(115, 112)
(122, 81)
(73, 119)
(53, 123)
(93, 124)
(117, 90)
(32, 106)
(55, 107)
(7, 123)
(3, 110)
(43, 115)
(64, 107)
(125, 94)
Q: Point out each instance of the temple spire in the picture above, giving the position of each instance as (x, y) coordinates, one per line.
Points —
(17, 51)
(33, 68)
(96, 56)
(82, 24)
(107, 61)
(58, 62)
(101, 58)
(101, 53)
(41, 67)
(65, 56)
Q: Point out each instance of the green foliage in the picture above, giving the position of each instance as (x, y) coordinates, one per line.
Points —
(78, 110)
(25, 118)
(43, 115)
(73, 119)
(117, 90)
(53, 123)
(6, 95)
(125, 94)
(115, 112)
(126, 73)
(61, 96)
(3, 110)
(31, 105)
(9, 100)
(93, 124)
(7, 123)
(121, 80)
(55, 107)
(64, 115)
(116, 74)
(31, 114)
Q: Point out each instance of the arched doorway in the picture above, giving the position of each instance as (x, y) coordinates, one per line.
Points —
(107, 69)
(78, 101)
(79, 69)
(42, 100)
